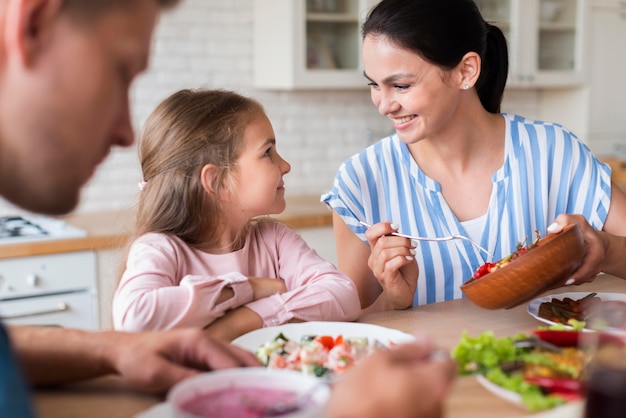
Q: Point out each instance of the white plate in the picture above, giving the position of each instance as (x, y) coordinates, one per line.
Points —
(533, 306)
(252, 340)
(499, 391)
(161, 410)
(569, 410)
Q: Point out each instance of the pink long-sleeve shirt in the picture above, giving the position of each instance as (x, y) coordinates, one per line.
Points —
(167, 284)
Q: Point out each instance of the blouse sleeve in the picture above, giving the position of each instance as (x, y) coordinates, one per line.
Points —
(317, 291)
(345, 196)
(151, 296)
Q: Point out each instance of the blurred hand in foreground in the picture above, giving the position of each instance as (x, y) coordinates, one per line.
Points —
(406, 381)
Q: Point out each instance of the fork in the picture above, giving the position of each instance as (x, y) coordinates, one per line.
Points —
(448, 238)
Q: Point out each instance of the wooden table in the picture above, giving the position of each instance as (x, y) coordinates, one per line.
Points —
(110, 397)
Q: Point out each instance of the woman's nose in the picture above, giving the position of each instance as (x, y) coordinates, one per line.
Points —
(386, 103)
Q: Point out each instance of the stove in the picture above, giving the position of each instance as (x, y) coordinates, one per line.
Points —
(22, 228)
(58, 289)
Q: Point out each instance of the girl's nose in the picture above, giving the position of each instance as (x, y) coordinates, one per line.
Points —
(285, 166)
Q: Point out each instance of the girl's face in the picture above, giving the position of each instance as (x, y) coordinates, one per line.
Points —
(258, 183)
(418, 97)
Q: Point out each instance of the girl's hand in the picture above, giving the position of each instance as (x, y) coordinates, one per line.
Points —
(393, 264)
(264, 287)
(595, 248)
(234, 323)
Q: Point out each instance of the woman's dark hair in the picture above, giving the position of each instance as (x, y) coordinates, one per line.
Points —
(442, 32)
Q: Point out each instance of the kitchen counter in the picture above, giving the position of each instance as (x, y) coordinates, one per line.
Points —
(106, 230)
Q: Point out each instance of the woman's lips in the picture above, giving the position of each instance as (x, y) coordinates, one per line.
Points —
(400, 121)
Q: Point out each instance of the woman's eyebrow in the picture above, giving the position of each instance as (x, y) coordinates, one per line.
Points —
(392, 78)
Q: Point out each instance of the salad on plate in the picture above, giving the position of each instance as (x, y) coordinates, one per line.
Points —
(319, 355)
(539, 371)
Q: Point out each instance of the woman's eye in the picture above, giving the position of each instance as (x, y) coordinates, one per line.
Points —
(268, 152)
(372, 84)
(401, 86)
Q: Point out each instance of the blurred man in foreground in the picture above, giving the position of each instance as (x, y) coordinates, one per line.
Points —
(65, 71)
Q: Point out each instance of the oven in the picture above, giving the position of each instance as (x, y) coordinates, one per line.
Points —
(57, 289)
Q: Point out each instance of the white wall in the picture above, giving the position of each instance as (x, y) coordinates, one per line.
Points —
(208, 43)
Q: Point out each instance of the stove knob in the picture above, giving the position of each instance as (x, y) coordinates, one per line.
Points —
(32, 280)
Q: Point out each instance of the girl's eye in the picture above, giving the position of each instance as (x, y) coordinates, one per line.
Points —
(268, 152)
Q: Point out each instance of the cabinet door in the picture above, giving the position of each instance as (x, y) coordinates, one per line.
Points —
(556, 58)
(545, 40)
(608, 57)
(305, 44)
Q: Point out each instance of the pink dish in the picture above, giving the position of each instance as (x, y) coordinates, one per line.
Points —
(241, 402)
(243, 392)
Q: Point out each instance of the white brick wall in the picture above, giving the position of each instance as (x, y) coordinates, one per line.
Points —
(208, 43)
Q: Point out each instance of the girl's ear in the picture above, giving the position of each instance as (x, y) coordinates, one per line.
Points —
(469, 70)
(28, 27)
(208, 177)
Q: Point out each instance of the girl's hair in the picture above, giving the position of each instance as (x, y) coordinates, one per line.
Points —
(442, 32)
(188, 130)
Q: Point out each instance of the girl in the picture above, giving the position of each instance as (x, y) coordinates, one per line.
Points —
(201, 257)
(456, 165)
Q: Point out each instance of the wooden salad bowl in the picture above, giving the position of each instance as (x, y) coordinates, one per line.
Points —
(550, 262)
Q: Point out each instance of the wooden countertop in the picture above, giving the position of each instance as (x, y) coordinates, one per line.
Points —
(106, 230)
(444, 322)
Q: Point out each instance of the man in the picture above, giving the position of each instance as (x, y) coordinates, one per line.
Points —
(65, 70)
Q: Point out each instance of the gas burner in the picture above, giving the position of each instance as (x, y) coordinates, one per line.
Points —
(16, 226)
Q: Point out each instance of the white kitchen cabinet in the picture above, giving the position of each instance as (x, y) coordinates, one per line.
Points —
(308, 44)
(607, 87)
(545, 39)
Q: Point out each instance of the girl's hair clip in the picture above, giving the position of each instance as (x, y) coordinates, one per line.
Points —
(142, 185)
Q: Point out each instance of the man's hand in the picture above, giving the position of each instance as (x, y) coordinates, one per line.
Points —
(155, 361)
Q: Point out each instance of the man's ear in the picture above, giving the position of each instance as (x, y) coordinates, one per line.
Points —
(29, 26)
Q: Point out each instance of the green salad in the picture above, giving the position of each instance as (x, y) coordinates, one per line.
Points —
(485, 353)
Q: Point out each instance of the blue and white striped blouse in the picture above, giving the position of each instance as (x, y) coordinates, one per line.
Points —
(547, 171)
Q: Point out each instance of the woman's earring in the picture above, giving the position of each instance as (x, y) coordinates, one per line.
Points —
(465, 86)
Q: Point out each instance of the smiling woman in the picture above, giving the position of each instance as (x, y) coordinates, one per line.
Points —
(456, 166)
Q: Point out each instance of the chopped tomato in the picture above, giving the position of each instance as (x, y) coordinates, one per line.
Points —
(339, 340)
(484, 269)
(326, 340)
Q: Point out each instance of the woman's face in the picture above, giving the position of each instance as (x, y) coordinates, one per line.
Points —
(416, 95)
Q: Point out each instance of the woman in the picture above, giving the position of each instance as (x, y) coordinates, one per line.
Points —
(456, 165)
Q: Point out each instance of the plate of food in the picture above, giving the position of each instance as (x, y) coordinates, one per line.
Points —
(323, 349)
(603, 311)
(539, 372)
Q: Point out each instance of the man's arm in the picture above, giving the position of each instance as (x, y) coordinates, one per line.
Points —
(149, 361)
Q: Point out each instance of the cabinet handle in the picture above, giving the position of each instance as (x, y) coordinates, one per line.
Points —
(62, 307)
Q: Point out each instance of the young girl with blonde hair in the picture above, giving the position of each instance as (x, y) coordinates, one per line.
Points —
(201, 257)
